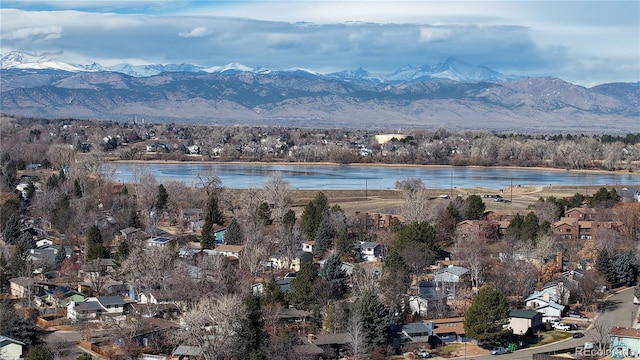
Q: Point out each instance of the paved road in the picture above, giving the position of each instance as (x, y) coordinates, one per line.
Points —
(619, 309)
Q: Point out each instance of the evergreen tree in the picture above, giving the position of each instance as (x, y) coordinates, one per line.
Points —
(625, 268)
(11, 230)
(31, 190)
(162, 199)
(11, 207)
(313, 213)
(60, 257)
(530, 227)
(251, 338)
(94, 244)
(515, 227)
(234, 234)
(604, 264)
(122, 253)
(39, 352)
(374, 317)
(334, 276)
(344, 245)
(17, 327)
(213, 216)
(52, 182)
(84, 356)
(486, 317)
(475, 207)
(324, 236)
(134, 220)
(417, 232)
(302, 293)
(289, 220)
(124, 191)
(264, 213)
(5, 273)
(271, 292)
(77, 188)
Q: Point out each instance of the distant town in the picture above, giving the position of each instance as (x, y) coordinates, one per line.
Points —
(91, 268)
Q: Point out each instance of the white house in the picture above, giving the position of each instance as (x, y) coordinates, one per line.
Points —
(370, 251)
(159, 241)
(233, 251)
(95, 307)
(10, 349)
(307, 246)
(450, 274)
(523, 321)
(544, 303)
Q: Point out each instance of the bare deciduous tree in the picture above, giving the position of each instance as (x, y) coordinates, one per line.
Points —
(278, 192)
(211, 324)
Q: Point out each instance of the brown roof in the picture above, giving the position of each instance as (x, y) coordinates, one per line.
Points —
(626, 332)
(448, 325)
(230, 248)
(332, 339)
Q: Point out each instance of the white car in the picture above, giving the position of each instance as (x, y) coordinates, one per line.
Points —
(560, 326)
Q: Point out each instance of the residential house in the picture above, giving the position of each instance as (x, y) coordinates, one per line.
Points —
(187, 352)
(523, 322)
(293, 315)
(96, 308)
(86, 310)
(624, 342)
(629, 194)
(10, 349)
(21, 287)
(418, 331)
(60, 297)
(114, 305)
(450, 329)
(232, 251)
(282, 262)
(159, 241)
(451, 278)
(365, 221)
(419, 305)
(331, 343)
(307, 246)
(545, 303)
(581, 213)
(370, 251)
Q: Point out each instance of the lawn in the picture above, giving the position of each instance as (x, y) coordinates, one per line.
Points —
(549, 337)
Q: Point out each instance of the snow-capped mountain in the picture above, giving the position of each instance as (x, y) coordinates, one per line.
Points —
(18, 60)
(450, 69)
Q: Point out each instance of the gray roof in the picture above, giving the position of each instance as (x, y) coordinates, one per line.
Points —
(332, 339)
(415, 328)
(88, 306)
(453, 269)
(4, 339)
(110, 300)
(187, 350)
(369, 245)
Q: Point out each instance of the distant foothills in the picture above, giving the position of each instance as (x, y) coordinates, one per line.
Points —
(52, 142)
(452, 94)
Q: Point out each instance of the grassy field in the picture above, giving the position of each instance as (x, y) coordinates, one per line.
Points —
(389, 201)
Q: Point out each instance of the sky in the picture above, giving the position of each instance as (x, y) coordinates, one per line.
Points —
(583, 42)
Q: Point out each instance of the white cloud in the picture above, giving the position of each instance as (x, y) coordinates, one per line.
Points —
(34, 33)
(435, 34)
(195, 32)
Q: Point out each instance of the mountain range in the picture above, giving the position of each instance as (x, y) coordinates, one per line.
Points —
(452, 94)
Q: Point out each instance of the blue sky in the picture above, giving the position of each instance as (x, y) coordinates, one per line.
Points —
(584, 42)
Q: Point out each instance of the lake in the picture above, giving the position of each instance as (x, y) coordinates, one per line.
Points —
(350, 177)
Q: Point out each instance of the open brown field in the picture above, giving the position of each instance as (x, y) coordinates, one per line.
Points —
(389, 201)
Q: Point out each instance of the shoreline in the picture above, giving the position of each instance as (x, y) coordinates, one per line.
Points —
(328, 163)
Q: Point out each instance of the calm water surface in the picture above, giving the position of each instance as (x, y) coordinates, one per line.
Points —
(346, 177)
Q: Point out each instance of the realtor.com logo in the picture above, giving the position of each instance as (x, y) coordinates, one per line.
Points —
(582, 351)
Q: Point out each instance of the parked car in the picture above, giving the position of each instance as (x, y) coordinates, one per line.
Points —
(576, 314)
(500, 350)
(577, 335)
(560, 326)
(423, 353)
